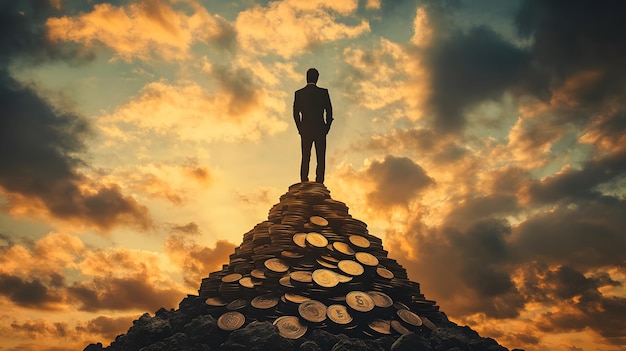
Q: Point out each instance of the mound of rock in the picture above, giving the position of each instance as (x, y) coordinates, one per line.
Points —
(310, 277)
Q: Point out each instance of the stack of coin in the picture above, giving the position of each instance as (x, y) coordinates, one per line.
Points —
(312, 265)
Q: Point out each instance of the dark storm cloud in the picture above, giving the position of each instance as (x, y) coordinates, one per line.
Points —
(484, 207)
(32, 294)
(572, 36)
(589, 235)
(122, 294)
(40, 143)
(573, 44)
(582, 305)
(469, 68)
(471, 267)
(22, 35)
(397, 179)
(574, 184)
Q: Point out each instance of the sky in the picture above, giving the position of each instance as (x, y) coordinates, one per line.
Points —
(483, 141)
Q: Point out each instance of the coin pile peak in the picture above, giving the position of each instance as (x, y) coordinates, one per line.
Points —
(311, 265)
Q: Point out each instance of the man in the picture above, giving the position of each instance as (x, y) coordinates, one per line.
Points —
(309, 105)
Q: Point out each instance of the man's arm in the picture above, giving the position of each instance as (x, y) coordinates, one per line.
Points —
(296, 112)
(329, 112)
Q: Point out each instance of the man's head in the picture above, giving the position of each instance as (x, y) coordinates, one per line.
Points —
(311, 75)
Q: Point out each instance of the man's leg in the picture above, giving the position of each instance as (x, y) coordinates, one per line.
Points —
(306, 144)
(320, 153)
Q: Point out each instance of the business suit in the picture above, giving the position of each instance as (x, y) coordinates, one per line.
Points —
(309, 105)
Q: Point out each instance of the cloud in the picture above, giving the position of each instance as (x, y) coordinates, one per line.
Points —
(117, 279)
(132, 293)
(142, 29)
(188, 112)
(163, 180)
(303, 26)
(41, 173)
(107, 327)
(581, 303)
(397, 181)
(71, 335)
(195, 260)
(23, 36)
(43, 260)
(399, 82)
(28, 293)
(39, 328)
(420, 142)
(588, 40)
(469, 68)
(580, 184)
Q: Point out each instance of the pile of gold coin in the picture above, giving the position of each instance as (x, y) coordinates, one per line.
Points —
(312, 266)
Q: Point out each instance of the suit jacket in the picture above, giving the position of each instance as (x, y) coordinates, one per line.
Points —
(309, 104)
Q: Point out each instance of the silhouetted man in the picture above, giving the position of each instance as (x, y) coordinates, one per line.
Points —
(309, 105)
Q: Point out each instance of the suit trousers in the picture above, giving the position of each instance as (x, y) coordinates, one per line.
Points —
(320, 153)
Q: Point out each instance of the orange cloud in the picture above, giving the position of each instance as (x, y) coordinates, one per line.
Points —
(88, 206)
(399, 78)
(188, 112)
(303, 25)
(141, 29)
(196, 261)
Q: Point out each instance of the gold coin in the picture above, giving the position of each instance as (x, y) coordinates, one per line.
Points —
(325, 278)
(299, 239)
(295, 298)
(384, 273)
(231, 278)
(360, 301)
(359, 241)
(366, 259)
(301, 276)
(230, 321)
(338, 314)
(343, 278)
(237, 304)
(381, 299)
(216, 302)
(428, 324)
(343, 248)
(410, 317)
(312, 311)
(350, 267)
(316, 240)
(325, 264)
(246, 282)
(380, 326)
(258, 274)
(285, 281)
(397, 326)
(276, 265)
(264, 302)
(290, 327)
(318, 221)
(329, 259)
(291, 254)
